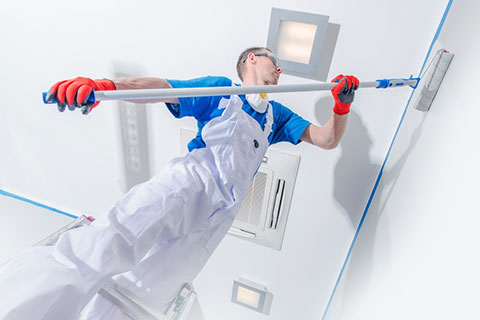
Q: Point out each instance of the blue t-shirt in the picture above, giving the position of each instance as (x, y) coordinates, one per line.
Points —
(287, 125)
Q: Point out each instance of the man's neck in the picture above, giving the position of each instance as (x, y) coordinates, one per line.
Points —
(250, 80)
(251, 83)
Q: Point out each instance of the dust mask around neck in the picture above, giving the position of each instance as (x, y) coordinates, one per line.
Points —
(259, 102)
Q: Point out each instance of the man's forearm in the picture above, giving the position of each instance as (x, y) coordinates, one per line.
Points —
(134, 83)
(329, 135)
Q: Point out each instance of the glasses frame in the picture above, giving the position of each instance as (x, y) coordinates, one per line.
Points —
(268, 55)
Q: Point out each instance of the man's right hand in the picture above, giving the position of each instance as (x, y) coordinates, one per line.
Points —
(74, 93)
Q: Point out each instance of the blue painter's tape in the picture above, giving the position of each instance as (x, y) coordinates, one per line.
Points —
(437, 34)
(383, 165)
(14, 196)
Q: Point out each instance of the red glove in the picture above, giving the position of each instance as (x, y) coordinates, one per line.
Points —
(343, 93)
(74, 93)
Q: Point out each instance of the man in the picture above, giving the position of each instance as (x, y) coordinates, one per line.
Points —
(162, 232)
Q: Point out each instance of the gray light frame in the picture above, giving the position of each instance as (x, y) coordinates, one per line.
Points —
(264, 300)
(323, 45)
(261, 301)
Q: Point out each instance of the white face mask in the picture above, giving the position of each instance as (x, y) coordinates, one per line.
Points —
(259, 102)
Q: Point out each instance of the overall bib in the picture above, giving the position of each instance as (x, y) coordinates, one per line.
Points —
(162, 231)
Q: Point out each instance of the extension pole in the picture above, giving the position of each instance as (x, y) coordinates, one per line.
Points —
(147, 94)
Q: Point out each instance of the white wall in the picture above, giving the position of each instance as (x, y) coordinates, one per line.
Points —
(416, 256)
(71, 161)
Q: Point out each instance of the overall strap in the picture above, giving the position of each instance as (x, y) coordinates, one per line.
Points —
(268, 121)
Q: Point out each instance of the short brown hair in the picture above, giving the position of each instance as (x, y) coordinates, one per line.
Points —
(243, 56)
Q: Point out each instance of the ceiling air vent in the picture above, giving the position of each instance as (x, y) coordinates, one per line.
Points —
(262, 218)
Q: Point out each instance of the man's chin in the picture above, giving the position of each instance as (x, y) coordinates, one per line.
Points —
(275, 79)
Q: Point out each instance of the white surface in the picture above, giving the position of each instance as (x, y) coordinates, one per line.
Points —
(71, 161)
(23, 225)
(417, 254)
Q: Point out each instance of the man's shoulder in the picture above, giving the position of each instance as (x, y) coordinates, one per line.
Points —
(278, 106)
(206, 81)
(282, 112)
(217, 80)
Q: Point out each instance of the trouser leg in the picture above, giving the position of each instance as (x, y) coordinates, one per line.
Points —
(57, 282)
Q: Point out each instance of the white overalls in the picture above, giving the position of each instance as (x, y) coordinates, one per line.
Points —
(162, 231)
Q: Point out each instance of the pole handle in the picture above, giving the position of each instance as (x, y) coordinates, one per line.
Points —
(145, 94)
(90, 99)
(389, 83)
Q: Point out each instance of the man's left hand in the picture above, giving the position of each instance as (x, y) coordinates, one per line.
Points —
(344, 93)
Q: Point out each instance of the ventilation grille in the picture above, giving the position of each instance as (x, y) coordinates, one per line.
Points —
(263, 215)
(251, 209)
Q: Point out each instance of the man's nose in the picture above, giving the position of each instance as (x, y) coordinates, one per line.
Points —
(279, 70)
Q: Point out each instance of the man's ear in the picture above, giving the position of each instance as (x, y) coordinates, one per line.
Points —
(251, 58)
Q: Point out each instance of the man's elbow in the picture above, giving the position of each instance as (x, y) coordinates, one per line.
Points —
(331, 146)
(324, 140)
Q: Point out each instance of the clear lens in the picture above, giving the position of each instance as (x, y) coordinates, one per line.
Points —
(270, 56)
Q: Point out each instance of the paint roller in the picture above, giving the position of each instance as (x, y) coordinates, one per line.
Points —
(433, 78)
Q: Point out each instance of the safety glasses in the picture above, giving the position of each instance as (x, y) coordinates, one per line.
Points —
(265, 54)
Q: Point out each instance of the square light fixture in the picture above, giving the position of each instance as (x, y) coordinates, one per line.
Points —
(304, 42)
(252, 295)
